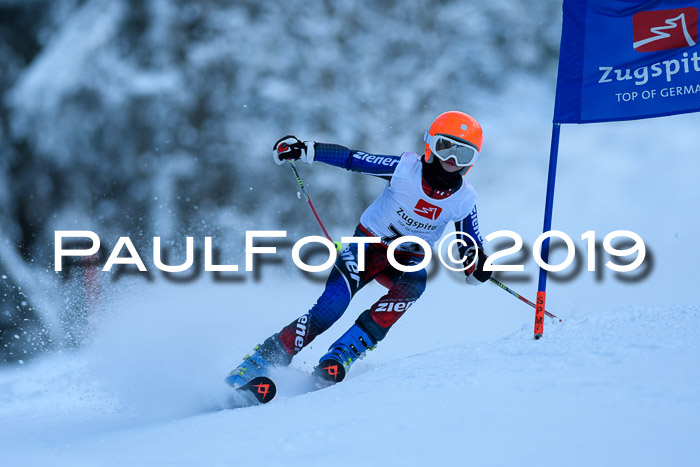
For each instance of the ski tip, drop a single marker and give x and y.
(262, 388)
(537, 336)
(330, 370)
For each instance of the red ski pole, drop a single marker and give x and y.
(338, 245)
(520, 297)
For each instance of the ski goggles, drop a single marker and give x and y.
(449, 147)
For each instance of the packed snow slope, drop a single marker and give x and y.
(614, 388)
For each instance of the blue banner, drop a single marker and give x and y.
(627, 59)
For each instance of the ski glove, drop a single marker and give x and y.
(290, 148)
(476, 274)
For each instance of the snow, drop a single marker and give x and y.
(616, 387)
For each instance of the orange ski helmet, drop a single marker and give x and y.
(459, 126)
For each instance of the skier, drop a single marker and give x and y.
(422, 196)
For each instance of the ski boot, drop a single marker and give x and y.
(344, 352)
(267, 355)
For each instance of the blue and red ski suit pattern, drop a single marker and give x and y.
(346, 280)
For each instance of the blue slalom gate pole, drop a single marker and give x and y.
(549, 204)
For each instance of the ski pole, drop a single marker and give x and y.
(515, 294)
(338, 245)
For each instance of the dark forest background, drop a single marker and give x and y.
(145, 118)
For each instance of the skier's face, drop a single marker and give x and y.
(449, 165)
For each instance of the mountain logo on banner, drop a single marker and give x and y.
(665, 29)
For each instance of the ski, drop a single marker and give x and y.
(328, 372)
(262, 388)
(295, 382)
